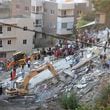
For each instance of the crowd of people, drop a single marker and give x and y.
(58, 51)
(63, 49)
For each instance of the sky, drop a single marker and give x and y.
(4, 0)
(60, 1)
(76, 1)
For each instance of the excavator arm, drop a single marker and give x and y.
(34, 73)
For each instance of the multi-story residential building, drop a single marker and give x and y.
(37, 13)
(14, 39)
(20, 7)
(58, 17)
(15, 8)
(15, 12)
(37, 16)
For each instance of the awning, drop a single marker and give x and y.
(89, 24)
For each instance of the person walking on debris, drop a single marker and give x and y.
(49, 51)
(29, 63)
(43, 53)
(103, 60)
(13, 76)
(105, 46)
(108, 64)
(13, 73)
(22, 71)
(90, 66)
(11, 79)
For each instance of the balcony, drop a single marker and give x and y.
(66, 6)
(36, 16)
(65, 19)
(66, 13)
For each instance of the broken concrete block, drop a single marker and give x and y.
(54, 80)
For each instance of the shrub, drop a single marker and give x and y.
(69, 101)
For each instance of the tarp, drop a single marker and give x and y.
(89, 24)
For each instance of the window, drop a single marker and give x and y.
(63, 12)
(38, 22)
(52, 11)
(0, 29)
(33, 8)
(38, 9)
(26, 8)
(8, 28)
(45, 10)
(25, 41)
(70, 25)
(2, 54)
(17, 6)
(0, 43)
(64, 25)
(9, 42)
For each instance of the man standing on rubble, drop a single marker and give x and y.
(29, 63)
(90, 66)
(22, 71)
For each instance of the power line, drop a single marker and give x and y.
(27, 29)
(54, 36)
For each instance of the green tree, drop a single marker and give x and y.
(103, 6)
(69, 101)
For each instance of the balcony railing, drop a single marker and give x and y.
(63, 16)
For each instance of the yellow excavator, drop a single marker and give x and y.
(23, 90)
(18, 59)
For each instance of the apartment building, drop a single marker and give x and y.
(15, 8)
(15, 12)
(21, 7)
(58, 17)
(14, 39)
(37, 14)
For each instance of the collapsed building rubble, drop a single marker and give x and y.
(73, 74)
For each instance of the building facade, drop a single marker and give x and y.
(58, 17)
(13, 39)
(15, 12)
(20, 8)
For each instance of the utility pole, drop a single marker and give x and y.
(75, 34)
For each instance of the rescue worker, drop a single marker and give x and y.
(14, 73)
(22, 71)
(29, 63)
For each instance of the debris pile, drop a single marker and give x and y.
(82, 72)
